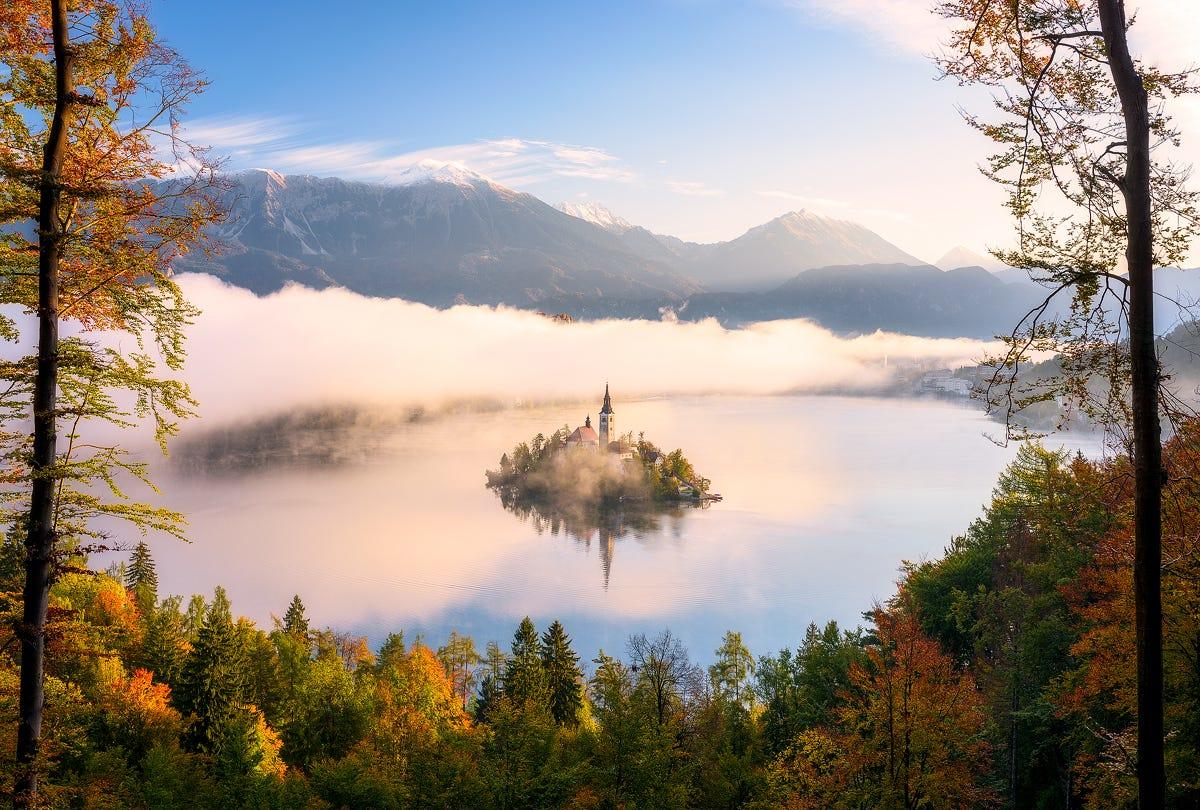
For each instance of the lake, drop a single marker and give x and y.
(824, 497)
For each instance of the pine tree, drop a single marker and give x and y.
(563, 675)
(294, 620)
(141, 578)
(141, 571)
(489, 693)
(392, 651)
(210, 686)
(163, 645)
(524, 676)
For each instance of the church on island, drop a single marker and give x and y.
(607, 439)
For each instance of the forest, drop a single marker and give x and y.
(995, 676)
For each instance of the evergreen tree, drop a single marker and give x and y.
(193, 617)
(210, 686)
(294, 620)
(392, 651)
(489, 694)
(563, 676)
(140, 572)
(163, 645)
(524, 676)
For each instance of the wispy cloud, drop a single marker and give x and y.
(693, 189)
(907, 24)
(286, 144)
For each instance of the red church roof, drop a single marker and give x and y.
(584, 434)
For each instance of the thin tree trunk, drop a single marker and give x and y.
(1147, 448)
(39, 544)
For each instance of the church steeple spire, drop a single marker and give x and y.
(608, 427)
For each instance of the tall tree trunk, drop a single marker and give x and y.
(39, 545)
(1147, 448)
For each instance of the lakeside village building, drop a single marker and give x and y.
(586, 438)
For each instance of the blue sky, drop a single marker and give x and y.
(698, 118)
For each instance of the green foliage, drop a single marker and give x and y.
(212, 683)
(801, 690)
(731, 672)
(525, 682)
(141, 577)
(164, 642)
(295, 620)
(563, 676)
(329, 713)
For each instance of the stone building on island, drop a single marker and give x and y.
(607, 439)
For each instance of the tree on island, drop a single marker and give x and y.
(549, 472)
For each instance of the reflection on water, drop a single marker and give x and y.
(602, 526)
(824, 497)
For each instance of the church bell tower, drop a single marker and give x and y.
(608, 427)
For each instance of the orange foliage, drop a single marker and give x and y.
(417, 704)
(1102, 690)
(910, 733)
(136, 712)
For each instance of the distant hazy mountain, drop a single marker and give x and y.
(438, 235)
(916, 300)
(442, 235)
(961, 256)
(770, 254)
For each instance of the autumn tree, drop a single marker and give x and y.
(1080, 123)
(909, 734)
(91, 103)
(459, 656)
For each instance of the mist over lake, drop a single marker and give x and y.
(823, 497)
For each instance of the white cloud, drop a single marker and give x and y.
(282, 143)
(228, 132)
(907, 24)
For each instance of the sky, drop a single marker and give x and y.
(695, 118)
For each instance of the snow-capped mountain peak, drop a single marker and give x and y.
(596, 214)
(436, 171)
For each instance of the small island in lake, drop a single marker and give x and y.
(581, 471)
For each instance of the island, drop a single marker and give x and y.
(582, 470)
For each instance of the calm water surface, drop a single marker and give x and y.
(824, 497)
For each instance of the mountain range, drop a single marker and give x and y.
(443, 235)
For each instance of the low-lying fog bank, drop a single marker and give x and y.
(252, 356)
